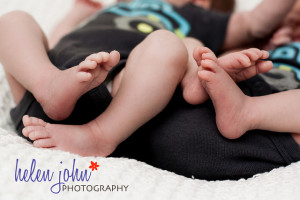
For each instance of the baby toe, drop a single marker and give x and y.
(26, 120)
(104, 56)
(33, 121)
(253, 54)
(209, 56)
(209, 65)
(113, 59)
(44, 143)
(264, 66)
(27, 130)
(93, 56)
(37, 121)
(205, 75)
(97, 57)
(198, 52)
(87, 65)
(84, 76)
(265, 54)
(243, 61)
(39, 133)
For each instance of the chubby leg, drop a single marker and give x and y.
(153, 71)
(237, 113)
(23, 53)
(22, 44)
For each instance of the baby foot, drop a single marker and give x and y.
(231, 105)
(67, 86)
(192, 89)
(80, 139)
(240, 65)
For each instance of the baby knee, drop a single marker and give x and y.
(167, 44)
(162, 34)
(14, 16)
(164, 38)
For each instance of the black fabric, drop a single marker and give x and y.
(183, 138)
(208, 26)
(287, 54)
(285, 74)
(86, 109)
(106, 33)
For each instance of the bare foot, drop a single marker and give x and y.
(231, 105)
(66, 87)
(192, 89)
(239, 65)
(80, 139)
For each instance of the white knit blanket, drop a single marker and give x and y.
(115, 178)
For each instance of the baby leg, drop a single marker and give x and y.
(152, 73)
(237, 113)
(81, 10)
(23, 52)
(22, 44)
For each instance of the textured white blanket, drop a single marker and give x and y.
(115, 178)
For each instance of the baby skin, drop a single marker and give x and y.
(240, 66)
(231, 105)
(237, 113)
(57, 101)
(90, 139)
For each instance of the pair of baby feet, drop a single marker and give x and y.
(216, 75)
